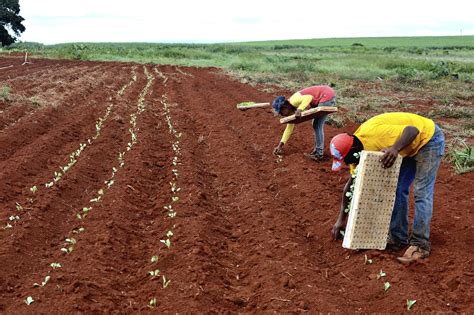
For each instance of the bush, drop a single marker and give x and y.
(462, 157)
(5, 93)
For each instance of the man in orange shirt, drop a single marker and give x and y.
(319, 95)
(421, 144)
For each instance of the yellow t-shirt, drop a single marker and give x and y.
(300, 102)
(383, 131)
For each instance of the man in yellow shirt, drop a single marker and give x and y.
(318, 95)
(421, 144)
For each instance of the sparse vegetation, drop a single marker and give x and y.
(5, 93)
(462, 157)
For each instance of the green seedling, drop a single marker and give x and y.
(55, 265)
(172, 214)
(18, 207)
(97, 199)
(78, 230)
(169, 234)
(67, 250)
(175, 198)
(381, 274)
(29, 300)
(14, 218)
(166, 282)
(167, 242)
(71, 240)
(410, 304)
(34, 189)
(43, 283)
(154, 273)
(154, 259)
(7, 226)
(367, 260)
(386, 286)
(174, 189)
(152, 303)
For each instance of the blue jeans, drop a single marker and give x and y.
(420, 169)
(318, 126)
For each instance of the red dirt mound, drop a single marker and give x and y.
(133, 188)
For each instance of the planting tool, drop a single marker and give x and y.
(248, 105)
(309, 114)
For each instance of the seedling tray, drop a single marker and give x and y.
(372, 203)
(309, 114)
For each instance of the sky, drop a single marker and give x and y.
(206, 21)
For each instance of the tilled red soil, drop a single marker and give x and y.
(251, 234)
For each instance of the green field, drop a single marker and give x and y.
(296, 60)
(371, 75)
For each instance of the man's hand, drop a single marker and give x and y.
(298, 113)
(278, 149)
(336, 229)
(389, 157)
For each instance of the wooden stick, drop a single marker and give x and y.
(26, 59)
(309, 114)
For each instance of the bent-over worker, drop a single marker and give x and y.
(319, 95)
(421, 144)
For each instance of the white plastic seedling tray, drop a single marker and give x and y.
(372, 203)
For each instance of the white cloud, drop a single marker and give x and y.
(54, 21)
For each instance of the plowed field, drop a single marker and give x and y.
(131, 188)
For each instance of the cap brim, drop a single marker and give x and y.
(337, 165)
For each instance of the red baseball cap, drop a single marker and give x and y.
(339, 147)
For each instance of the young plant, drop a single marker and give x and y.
(166, 282)
(29, 300)
(167, 242)
(154, 259)
(367, 260)
(43, 283)
(34, 189)
(381, 274)
(410, 304)
(152, 303)
(154, 273)
(55, 265)
(386, 286)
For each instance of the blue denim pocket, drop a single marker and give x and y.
(331, 102)
(436, 143)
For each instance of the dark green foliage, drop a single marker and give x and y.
(10, 19)
(441, 69)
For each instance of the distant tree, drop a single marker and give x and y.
(10, 21)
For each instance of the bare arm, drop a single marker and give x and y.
(408, 135)
(341, 219)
